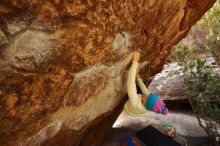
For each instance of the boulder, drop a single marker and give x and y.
(169, 84)
(63, 64)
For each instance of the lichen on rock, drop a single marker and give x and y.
(28, 50)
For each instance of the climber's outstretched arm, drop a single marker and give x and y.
(142, 86)
(131, 85)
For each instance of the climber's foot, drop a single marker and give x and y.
(136, 56)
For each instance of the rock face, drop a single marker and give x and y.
(169, 83)
(63, 63)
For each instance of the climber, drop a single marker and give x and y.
(138, 104)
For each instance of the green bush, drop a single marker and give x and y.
(203, 88)
(210, 24)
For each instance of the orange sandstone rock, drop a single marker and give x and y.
(63, 63)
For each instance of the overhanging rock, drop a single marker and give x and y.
(63, 63)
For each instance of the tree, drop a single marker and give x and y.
(203, 88)
(210, 24)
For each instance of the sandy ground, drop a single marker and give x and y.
(189, 132)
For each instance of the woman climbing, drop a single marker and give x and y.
(138, 104)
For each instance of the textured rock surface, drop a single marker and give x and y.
(63, 63)
(169, 83)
